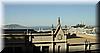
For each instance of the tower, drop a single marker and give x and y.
(58, 21)
(52, 27)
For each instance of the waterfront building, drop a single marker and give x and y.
(50, 41)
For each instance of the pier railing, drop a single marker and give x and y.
(87, 47)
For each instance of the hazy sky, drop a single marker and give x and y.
(46, 14)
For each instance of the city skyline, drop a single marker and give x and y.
(47, 14)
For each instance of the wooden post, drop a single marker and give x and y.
(67, 47)
(86, 48)
(53, 44)
(89, 47)
(65, 38)
(65, 43)
(86, 45)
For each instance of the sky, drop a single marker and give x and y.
(47, 14)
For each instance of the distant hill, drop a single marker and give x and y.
(14, 26)
(17, 26)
